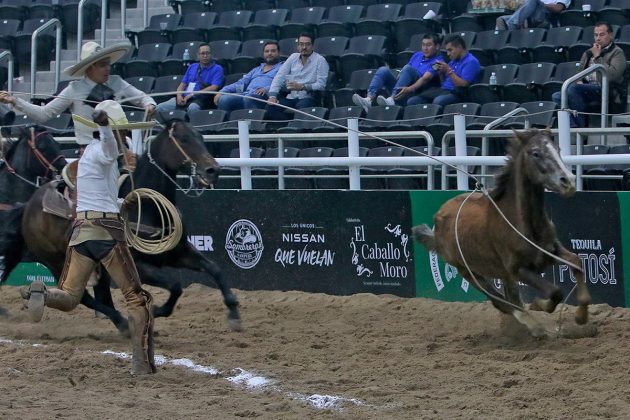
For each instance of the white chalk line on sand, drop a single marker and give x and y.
(241, 377)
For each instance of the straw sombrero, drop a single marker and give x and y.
(91, 52)
(117, 118)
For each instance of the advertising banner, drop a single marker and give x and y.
(337, 242)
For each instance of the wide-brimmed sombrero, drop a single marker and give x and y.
(91, 52)
(117, 118)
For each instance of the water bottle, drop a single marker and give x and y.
(493, 79)
(186, 55)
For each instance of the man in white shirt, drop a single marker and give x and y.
(98, 236)
(531, 14)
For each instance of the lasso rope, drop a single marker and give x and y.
(171, 231)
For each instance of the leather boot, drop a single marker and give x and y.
(141, 329)
(39, 295)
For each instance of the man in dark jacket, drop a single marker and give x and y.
(605, 52)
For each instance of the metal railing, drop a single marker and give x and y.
(10, 68)
(605, 86)
(34, 37)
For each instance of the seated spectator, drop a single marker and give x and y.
(204, 76)
(531, 14)
(581, 93)
(303, 74)
(256, 83)
(456, 76)
(414, 77)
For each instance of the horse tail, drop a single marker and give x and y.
(424, 234)
(11, 241)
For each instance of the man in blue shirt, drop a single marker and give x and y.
(414, 77)
(462, 71)
(206, 75)
(256, 83)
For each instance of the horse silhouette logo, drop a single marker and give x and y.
(244, 244)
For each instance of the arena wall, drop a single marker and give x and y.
(346, 242)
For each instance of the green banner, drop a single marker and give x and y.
(27, 272)
(434, 278)
(624, 212)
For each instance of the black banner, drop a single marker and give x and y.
(337, 242)
(589, 225)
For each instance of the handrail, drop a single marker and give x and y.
(80, 28)
(10, 67)
(123, 17)
(145, 13)
(103, 23)
(580, 75)
(34, 37)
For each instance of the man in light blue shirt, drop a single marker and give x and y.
(256, 83)
(303, 74)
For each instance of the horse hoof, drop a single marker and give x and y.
(235, 324)
(581, 316)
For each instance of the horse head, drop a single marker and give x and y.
(182, 147)
(538, 156)
(36, 154)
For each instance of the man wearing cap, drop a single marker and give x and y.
(98, 236)
(81, 96)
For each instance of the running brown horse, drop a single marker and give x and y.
(178, 148)
(491, 249)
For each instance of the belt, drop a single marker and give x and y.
(90, 214)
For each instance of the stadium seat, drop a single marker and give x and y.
(555, 48)
(225, 5)
(542, 114)
(451, 173)
(363, 52)
(146, 62)
(483, 92)
(300, 178)
(331, 47)
(520, 46)
(270, 180)
(489, 112)
(207, 121)
(486, 45)
(302, 123)
(446, 123)
(191, 6)
(380, 118)
(144, 83)
(338, 115)
(201, 22)
(466, 22)
(404, 29)
(378, 19)
(265, 24)
(45, 43)
(615, 15)
(562, 73)
(255, 116)
(417, 117)
(70, 17)
(224, 51)
(410, 177)
(372, 176)
(340, 21)
(358, 83)
(528, 83)
(166, 84)
(335, 178)
(302, 19)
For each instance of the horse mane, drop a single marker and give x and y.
(514, 147)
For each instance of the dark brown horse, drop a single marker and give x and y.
(179, 147)
(492, 249)
(33, 159)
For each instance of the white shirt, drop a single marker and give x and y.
(97, 175)
(73, 96)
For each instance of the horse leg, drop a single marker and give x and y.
(583, 296)
(194, 260)
(553, 294)
(511, 304)
(153, 276)
(117, 319)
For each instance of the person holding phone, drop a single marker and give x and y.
(418, 74)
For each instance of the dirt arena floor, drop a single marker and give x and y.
(314, 356)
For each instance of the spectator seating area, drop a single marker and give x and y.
(356, 37)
